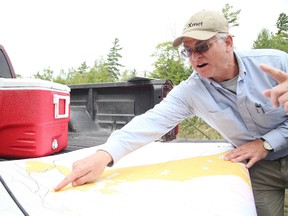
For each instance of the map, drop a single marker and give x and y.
(158, 179)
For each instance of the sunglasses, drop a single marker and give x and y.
(200, 48)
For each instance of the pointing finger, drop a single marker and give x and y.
(277, 74)
(67, 180)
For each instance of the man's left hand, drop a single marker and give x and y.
(251, 152)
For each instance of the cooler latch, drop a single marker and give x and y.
(56, 101)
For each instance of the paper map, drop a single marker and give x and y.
(158, 179)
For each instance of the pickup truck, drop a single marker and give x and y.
(96, 110)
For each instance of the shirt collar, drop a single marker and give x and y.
(241, 67)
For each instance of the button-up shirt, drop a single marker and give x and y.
(240, 118)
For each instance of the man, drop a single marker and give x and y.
(226, 90)
(278, 94)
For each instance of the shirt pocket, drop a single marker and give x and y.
(266, 115)
(230, 127)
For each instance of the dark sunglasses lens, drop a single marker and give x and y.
(199, 49)
(186, 53)
(202, 48)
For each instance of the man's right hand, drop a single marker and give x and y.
(86, 170)
(278, 94)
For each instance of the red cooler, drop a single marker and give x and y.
(34, 117)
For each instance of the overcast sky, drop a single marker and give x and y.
(61, 34)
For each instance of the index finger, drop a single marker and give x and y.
(67, 180)
(277, 74)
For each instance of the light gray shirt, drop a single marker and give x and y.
(239, 118)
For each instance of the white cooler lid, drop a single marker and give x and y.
(15, 83)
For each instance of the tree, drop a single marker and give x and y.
(232, 17)
(46, 74)
(61, 77)
(169, 64)
(113, 60)
(282, 23)
(83, 68)
(264, 40)
(99, 73)
(267, 39)
(128, 74)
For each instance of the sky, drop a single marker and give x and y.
(62, 34)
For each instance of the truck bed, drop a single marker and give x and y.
(96, 110)
(84, 140)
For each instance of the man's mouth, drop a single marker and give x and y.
(202, 65)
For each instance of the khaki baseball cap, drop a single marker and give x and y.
(203, 25)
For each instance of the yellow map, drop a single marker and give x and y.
(177, 170)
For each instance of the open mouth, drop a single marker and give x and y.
(202, 65)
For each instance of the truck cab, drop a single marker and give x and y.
(6, 68)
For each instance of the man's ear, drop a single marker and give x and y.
(229, 42)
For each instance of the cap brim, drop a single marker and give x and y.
(198, 35)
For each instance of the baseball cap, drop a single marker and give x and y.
(203, 25)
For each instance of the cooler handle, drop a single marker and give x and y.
(56, 101)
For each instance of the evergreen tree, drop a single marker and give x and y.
(83, 68)
(231, 16)
(267, 39)
(282, 23)
(264, 40)
(113, 60)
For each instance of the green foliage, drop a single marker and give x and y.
(46, 74)
(113, 60)
(83, 74)
(264, 39)
(83, 68)
(232, 17)
(267, 39)
(169, 64)
(282, 23)
(102, 70)
(195, 128)
(128, 74)
(61, 78)
(99, 73)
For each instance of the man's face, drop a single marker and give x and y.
(210, 57)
